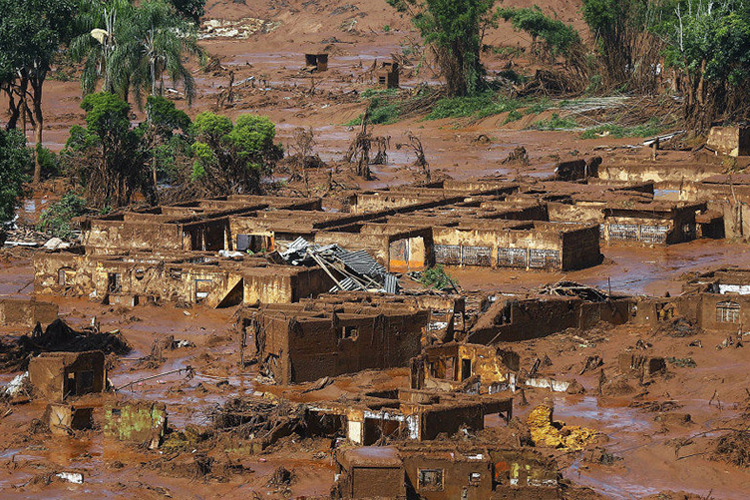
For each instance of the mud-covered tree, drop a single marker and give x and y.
(707, 43)
(454, 29)
(108, 157)
(31, 33)
(234, 158)
(15, 163)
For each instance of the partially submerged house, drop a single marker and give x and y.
(304, 342)
(512, 319)
(370, 471)
(388, 75)
(467, 367)
(410, 414)
(445, 470)
(316, 62)
(59, 375)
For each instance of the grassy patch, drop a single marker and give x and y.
(479, 106)
(513, 116)
(555, 122)
(370, 93)
(382, 112)
(650, 128)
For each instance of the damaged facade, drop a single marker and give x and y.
(445, 471)
(60, 375)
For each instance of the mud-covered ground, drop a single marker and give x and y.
(644, 442)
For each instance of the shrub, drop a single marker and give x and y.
(56, 220)
(436, 277)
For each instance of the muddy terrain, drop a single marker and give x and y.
(678, 432)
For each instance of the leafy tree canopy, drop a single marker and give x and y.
(233, 158)
(454, 28)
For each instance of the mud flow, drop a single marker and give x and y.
(417, 307)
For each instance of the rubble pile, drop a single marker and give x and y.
(546, 432)
(59, 336)
(349, 270)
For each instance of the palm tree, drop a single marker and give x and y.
(135, 48)
(164, 37)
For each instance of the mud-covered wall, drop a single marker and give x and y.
(117, 234)
(332, 346)
(580, 248)
(660, 172)
(536, 318)
(27, 313)
(449, 419)
(461, 479)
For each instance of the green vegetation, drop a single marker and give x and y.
(454, 28)
(190, 9)
(555, 122)
(682, 362)
(513, 116)
(436, 277)
(31, 33)
(15, 163)
(108, 157)
(651, 128)
(233, 158)
(485, 104)
(133, 47)
(707, 43)
(557, 37)
(56, 220)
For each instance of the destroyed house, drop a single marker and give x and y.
(60, 375)
(727, 197)
(305, 342)
(467, 367)
(388, 75)
(363, 472)
(718, 300)
(203, 225)
(438, 471)
(192, 278)
(513, 319)
(410, 414)
(316, 62)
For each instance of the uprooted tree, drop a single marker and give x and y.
(234, 158)
(454, 29)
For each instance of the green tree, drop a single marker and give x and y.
(618, 26)
(132, 48)
(191, 9)
(164, 122)
(108, 157)
(558, 38)
(31, 33)
(454, 28)
(707, 44)
(57, 219)
(15, 163)
(234, 158)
